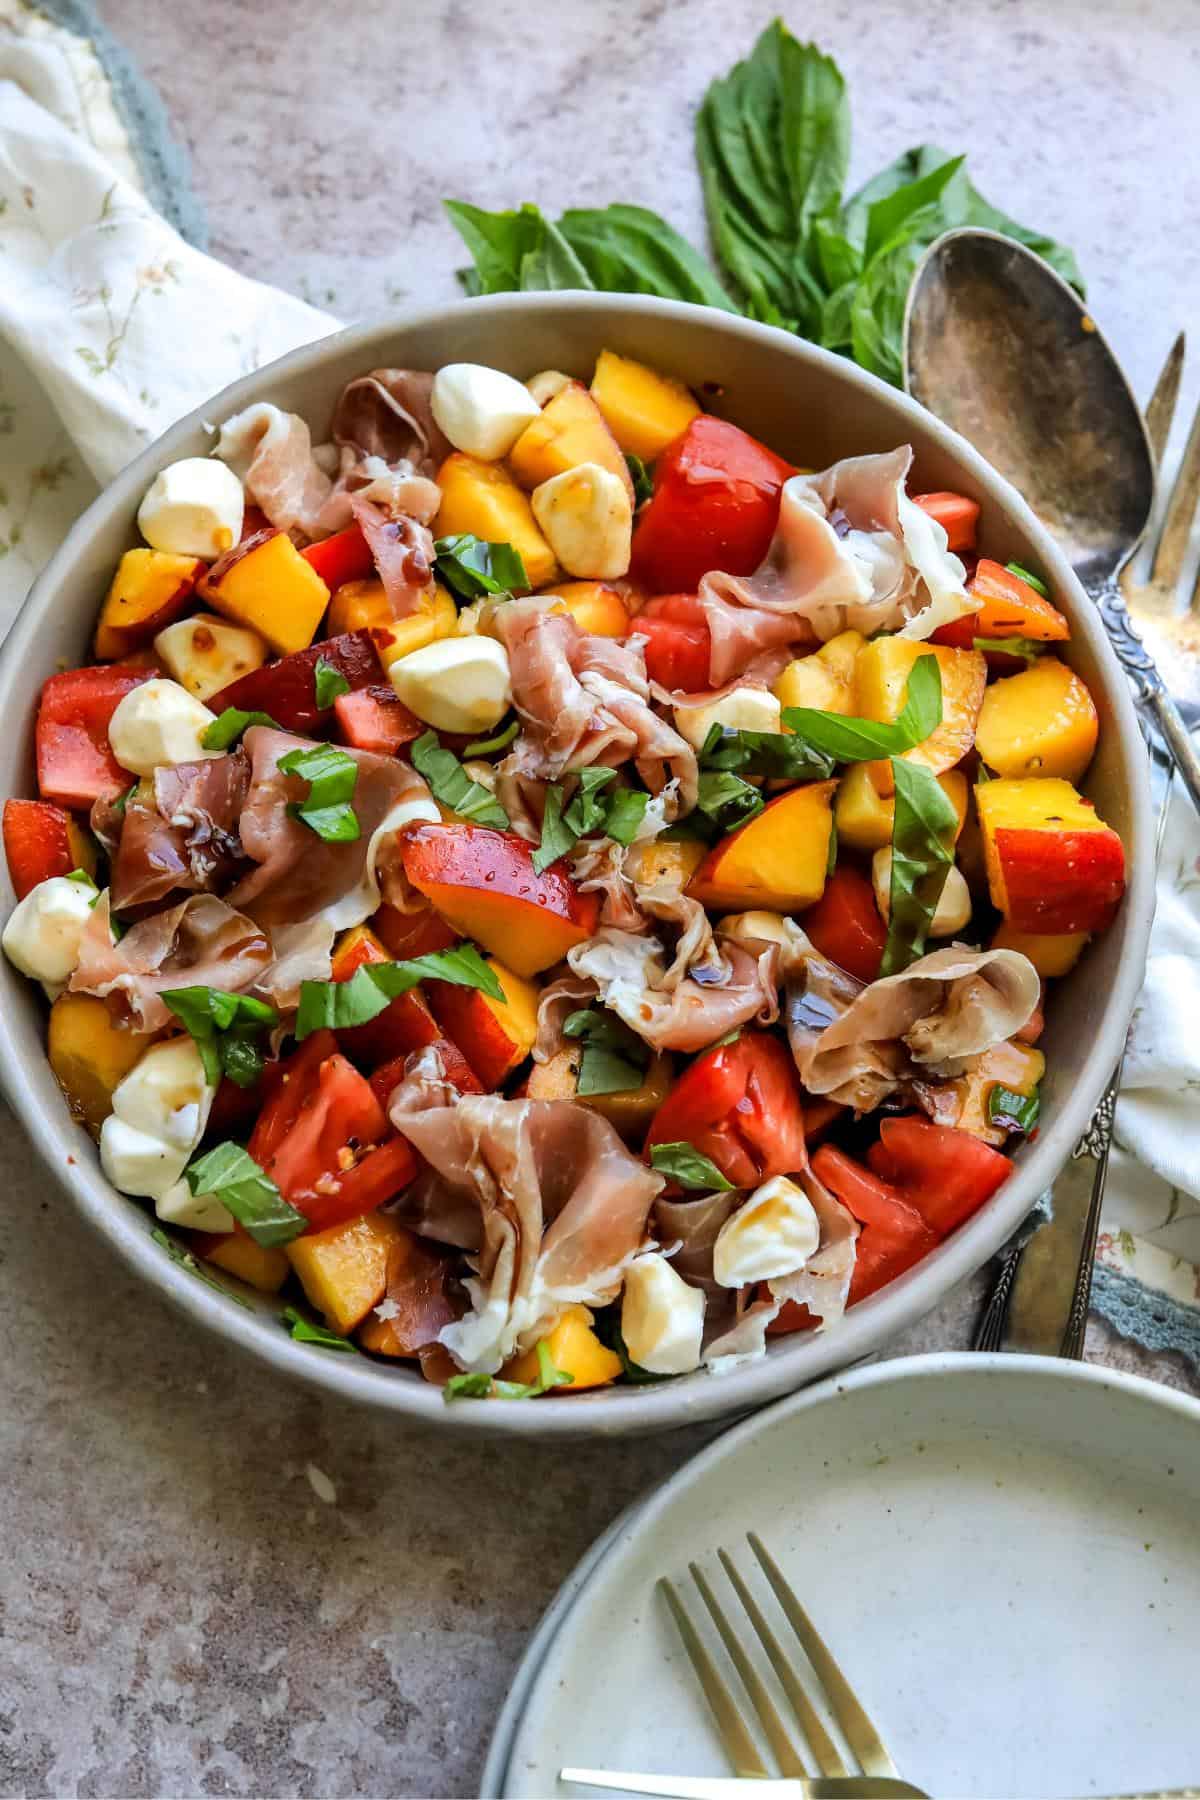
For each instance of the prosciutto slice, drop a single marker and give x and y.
(300, 875)
(200, 943)
(188, 839)
(555, 1207)
(403, 552)
(670, 1007)
(585, 701)
(271, 453)
(387, 416)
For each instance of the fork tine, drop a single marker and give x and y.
(739, 1745)
(777, 1733)
(861, 1734)
(1160, 410)
(828, 1757)
(1181, 510)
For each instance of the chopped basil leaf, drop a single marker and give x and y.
(225, 1028)
(450, 783)
(232, 1174)
(778, 755)
(331, 775)
(490, 1387)
(1012, 1111)
(614, 1058)
(726, 1037)
(489, 746)
(862, 740)
(684, 1164)
(328, 683)
(623, 814)
(339, 1005)
(727, 800)
(641, 477)
(228, 727)
(831, 859)
(982, 774)
(1030, 580)
(557, 836)
(120, 804)
(305, 1331)
(617, 815)
(1026, 648)
(187, 1261)
(81, 876)
(923, 833)
(473, 567)
(587, 811)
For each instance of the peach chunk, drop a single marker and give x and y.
(1054, 867)
(149, 590)
(1041, 722)
(484, 883)
(575, 1349)
(629, 1110)
(596, 608)
(778, 862)
(496, 1035)
(569, 430)
(881, 673)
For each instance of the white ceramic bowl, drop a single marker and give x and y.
(804, 402)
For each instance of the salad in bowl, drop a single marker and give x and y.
(548, 888)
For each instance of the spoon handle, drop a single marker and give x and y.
(1140, 666)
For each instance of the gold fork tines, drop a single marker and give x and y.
(1156, 597)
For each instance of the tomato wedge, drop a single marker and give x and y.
(715, 505)
(1011, 608)
(678, 647)
(945, 1174)
(957, 516)
(845, 924)
(739, 1104)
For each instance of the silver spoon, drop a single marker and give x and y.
(1004, 351)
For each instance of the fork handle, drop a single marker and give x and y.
(1140, 666)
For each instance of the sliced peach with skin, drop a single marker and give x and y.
(881, 673)
(496, 1035)
(1054, 867)
(149, 590)
(596, 608)
(671, 860)
(1011, 608)
(570, 430)
(419, 1278)
(364, 606)
(963, 1102)
(1052, 953)
(485, 885)
(90, 1054)
(778, 862)
(1040, 722)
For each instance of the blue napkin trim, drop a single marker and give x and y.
(164, 163)
(1150, 1318)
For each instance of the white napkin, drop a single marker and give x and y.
(111, 327)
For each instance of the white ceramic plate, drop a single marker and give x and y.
(1002, 1551)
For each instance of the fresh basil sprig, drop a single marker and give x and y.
(478, 1386)
(726, 800)
(187, 1261)
(689, 1167)
(450, 783)
(339, 1005)
(614, 1059)
(328, 683)
(474, 568)
(616, 815)
(331, 776)
(1013, 1112)
(1030, 580)
(229, 725)
(1028, 649)
(775, 755)
(306, 1331)
(226, 1029)
(923, 832)
(863, 740)
(233, 1176)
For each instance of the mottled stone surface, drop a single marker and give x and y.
(184, 1609)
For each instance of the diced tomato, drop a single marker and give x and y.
(946, 1175)
(375, 718)
(458, 1071)
(845, 924)
(1011, 608)
(739, 1104)
(345, 556)
(958, 517)
(715, 505)
(75, 763)
(286, 690)
(409, 934)
(37, 843)
(325, 1141)
(679, 645)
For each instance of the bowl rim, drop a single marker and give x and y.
(867, 1328)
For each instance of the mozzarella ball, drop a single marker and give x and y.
(156, 724)
(43, 931)
(455, 684)
(546, 383)
(193, 508)
(773, 1233)
(742, 709)
(662, 1318)
(954, 904)
(205, 653)
(481, 410)
(587, 518)
(194, 1212)
(159, 1113)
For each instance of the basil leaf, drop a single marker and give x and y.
(923, 833)
(491, 1387)
(688, 1167)
(630, 250)
(80, 876)
(331, 776)
(558, 839)
(623, 814)
(450, 783)
(340, 1005)
(777, 755)
(306, 1331)
(614, 1058)
(224, 1027)
(328, 683)
(643, 481)
(122, 802)
(473, 567)
(228, 727)
(489, 746)
(1027, 648)
(862, 740)
(1012, 1111)
(773, 143)
(514, 251)
(235, 1178)
(187, 1261)
(1030, 580)
(727, 800)
(475, 1386)
(587, 812)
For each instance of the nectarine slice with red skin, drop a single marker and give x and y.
(484, 883)
(496, 1035)
(1061, 881)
